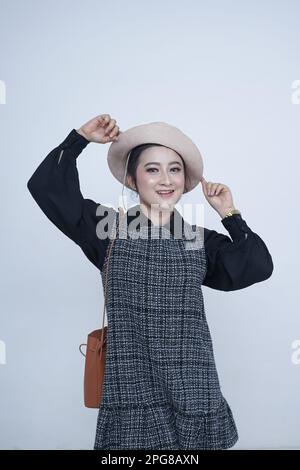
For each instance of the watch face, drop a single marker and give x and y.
(234, 212)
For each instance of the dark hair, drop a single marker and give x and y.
(134, 160)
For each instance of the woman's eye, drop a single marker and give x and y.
(155, 169)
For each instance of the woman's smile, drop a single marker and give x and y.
(165, 193)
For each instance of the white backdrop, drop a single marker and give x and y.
(227, 73)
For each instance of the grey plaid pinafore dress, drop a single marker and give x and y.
(161, 389)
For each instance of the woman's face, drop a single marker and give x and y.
(160, 169)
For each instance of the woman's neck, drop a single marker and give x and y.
(157, 216)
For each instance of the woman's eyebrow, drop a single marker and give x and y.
(158, 163)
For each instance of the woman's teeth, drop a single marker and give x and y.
(165, 193)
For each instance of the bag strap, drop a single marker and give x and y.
(122, 214)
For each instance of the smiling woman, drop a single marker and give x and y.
(161, 388)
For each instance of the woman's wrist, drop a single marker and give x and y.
(224, 212)
(80, 131)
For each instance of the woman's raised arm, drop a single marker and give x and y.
(56, 189)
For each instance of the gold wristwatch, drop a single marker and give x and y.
(232, 212)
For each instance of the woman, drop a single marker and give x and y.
(161, 388)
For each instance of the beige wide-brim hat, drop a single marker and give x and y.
(158, 133)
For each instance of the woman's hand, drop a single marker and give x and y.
(101, 129)
(218, 196)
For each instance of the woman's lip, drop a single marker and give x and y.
(166, 194)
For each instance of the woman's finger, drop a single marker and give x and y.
(208, 187)
(114, 132)
(204, 186)
(221, 187)
(217, 188)
(212, 188)
(110, 126)
(103, 120)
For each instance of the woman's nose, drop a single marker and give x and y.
(165, 178)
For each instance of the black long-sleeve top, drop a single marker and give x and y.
(231, 264)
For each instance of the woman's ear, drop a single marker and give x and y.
(131, 183)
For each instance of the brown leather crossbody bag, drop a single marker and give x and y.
(95, 356)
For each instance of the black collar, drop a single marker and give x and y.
(174, 224)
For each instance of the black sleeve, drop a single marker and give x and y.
(237, 263)
(55, 187)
